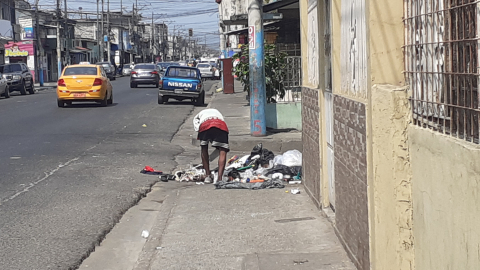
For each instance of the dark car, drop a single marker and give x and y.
(144, 74)
(109, 69)
(19, 78)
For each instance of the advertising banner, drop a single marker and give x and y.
(19, 49)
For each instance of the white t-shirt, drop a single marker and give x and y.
(205, 115)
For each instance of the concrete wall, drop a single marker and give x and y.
(391, 182)
(446, 201)
(284, 115)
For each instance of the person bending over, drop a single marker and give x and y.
(211, 128)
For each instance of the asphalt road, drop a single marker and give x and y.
(68, 174)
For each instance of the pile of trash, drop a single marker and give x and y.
(261, 169)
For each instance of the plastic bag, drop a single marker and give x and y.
(292, 158)
(278, 160)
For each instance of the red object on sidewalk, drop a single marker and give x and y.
(227, 75)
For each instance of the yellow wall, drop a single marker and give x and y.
(386, 32)
(390, 184)
(304, 40)
(446, 200)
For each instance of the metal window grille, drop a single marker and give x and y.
(441, 65)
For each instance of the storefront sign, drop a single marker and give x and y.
(19, 49)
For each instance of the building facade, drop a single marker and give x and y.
(391, 128)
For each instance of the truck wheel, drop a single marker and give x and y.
(160, 99)
(23, 89)
(200, 100)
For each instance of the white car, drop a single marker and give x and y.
(206, 70)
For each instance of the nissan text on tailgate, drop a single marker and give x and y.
(180, 83)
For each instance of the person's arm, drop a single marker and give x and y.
(196, 122)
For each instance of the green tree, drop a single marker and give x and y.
(275, 65)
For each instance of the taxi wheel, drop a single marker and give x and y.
(110, 100)
(104, 101)
(60, 103)
(23, 89)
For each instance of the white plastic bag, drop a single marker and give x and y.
(278, 160)
(292, 158)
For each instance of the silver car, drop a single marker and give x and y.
(4, 89)
(206, 70)
(126, 70)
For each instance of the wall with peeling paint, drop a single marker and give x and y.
(391, 182)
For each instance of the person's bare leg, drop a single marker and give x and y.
(222, 160)
(205, 162)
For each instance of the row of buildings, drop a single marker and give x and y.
(49, 40)
(390, 124)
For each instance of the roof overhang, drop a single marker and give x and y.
(278, 4)
(242, 19)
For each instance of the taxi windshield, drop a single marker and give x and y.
(80, 71)
(182, 72)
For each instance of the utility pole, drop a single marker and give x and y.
(222, 36)
(65, 29)
(151, 41)
(59, 52)
(98, 32)
(108, 32)
(258, 96)
(38, 58)
(102, 38)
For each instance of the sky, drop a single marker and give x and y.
(201, 15)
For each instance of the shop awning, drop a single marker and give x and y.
(79, 50)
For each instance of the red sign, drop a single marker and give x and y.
(19, 49)
(251, 37)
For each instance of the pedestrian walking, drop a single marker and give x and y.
(211, 128)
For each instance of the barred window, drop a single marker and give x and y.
(441, 65)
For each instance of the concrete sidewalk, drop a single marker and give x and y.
(46, 86)
(198, 227)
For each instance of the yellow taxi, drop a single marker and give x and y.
(84, 83)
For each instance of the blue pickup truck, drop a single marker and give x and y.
(180, 83)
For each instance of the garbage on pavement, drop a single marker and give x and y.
(150, 170)
(262, 169)
(259, 170)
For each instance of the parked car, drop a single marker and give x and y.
(4, 91)
(19, 78)
(163, 66)
(109, 69)
(181, 83)
(126, 70)
(145, 74)
(206, 70)
(83, 83)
